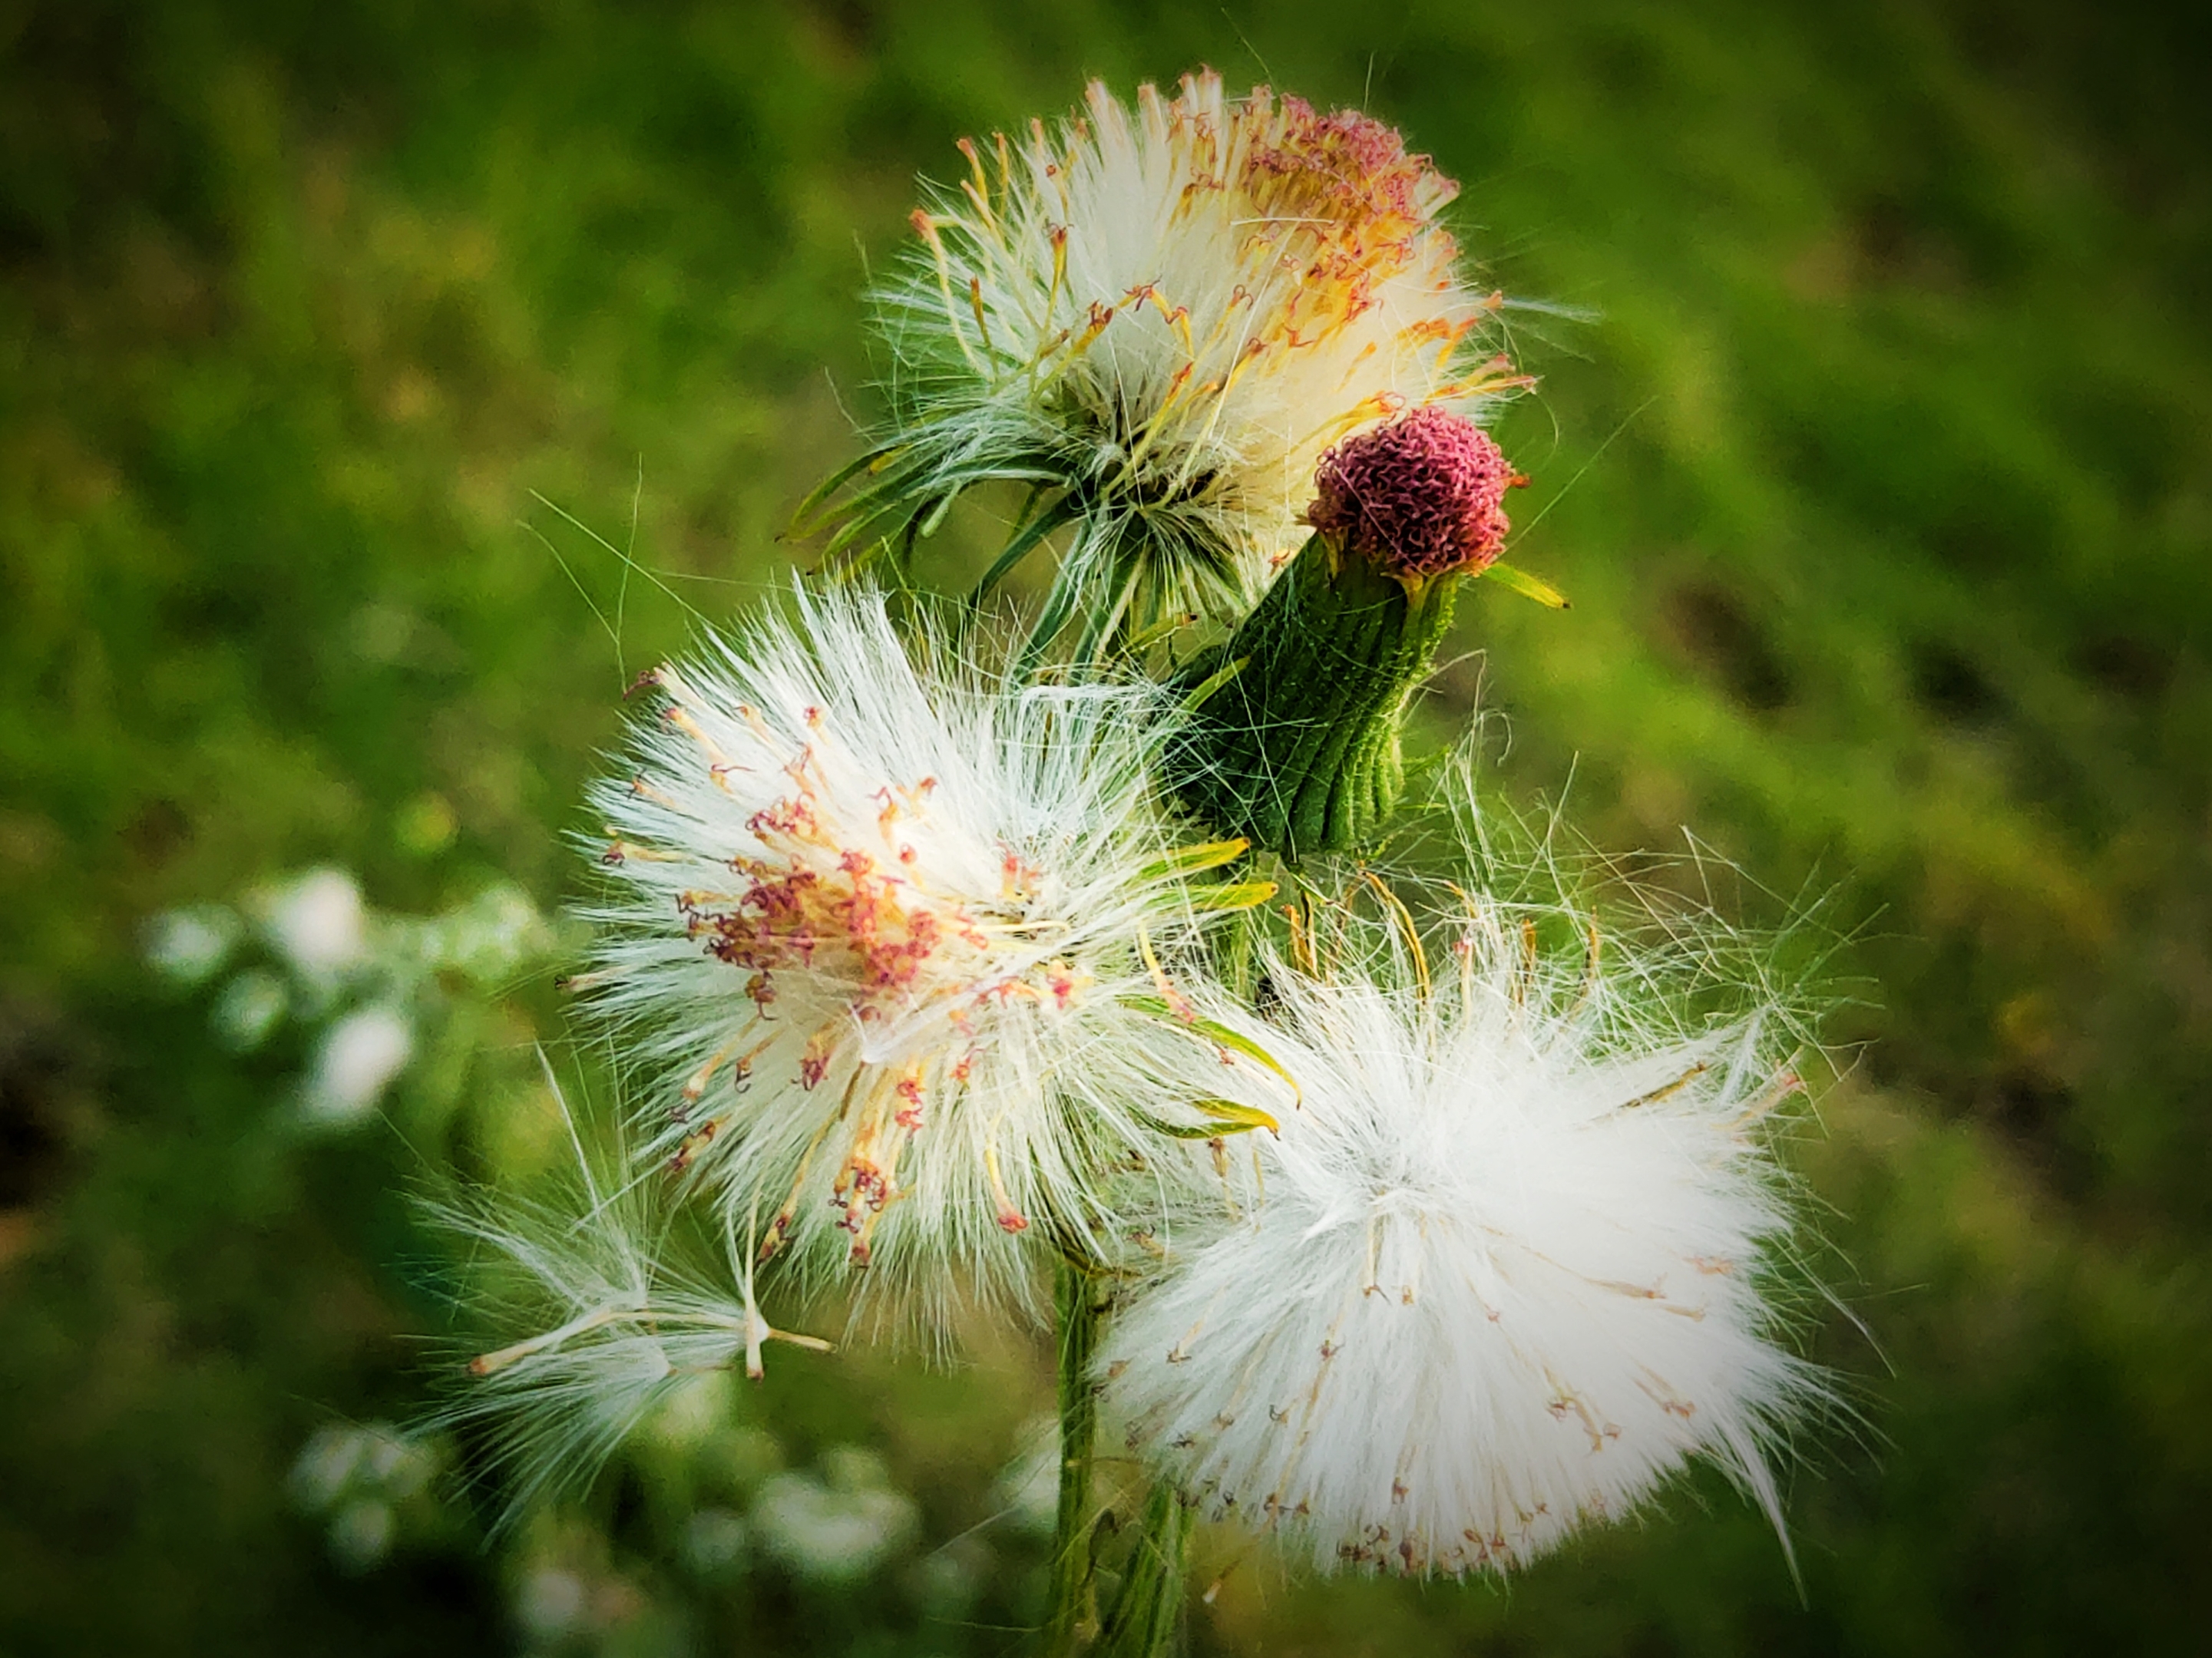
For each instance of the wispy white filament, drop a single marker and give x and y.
(615, 1325)
(1502, 1273)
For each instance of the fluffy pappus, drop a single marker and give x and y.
(618, 1318)
(1507, 1265)
(882, 923)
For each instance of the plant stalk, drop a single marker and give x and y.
(1147, 1619)
(1072, 1619)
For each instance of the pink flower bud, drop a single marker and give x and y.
(1422, 496)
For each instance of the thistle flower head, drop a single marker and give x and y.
(1421, 496)
(1501, 1273)
(1168, 314)
(879, 920)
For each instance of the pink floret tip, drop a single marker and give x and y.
(1422, 496)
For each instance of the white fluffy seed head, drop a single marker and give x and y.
(878, 920)
(1502, 1271)
(1171, 311)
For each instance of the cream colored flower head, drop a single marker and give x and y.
(1167, 315)
(1500, 1274)
(886, 924)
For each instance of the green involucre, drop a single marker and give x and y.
(1298, 751)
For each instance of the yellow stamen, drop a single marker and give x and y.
(1174, 998)
(1673, 1087)
(1010, 1217)
(1403, 919)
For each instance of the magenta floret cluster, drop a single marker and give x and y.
(1422, 496)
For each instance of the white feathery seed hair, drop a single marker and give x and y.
(619, 1321)
(884, 924)
(1504, 1269)
(1168, 314)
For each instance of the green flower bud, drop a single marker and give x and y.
(1296, 743)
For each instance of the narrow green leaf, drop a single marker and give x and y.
(803, 521)
(1237, 1119)
(1020, 544)
(1224, 1118)
(1176, 1131)
(1220, 1035)
(1096, 641)
(936, 517)
(1213, 682)
(1526, 586)
(853, 515)
(1145, 638)
(849, 564)
(1231, 896)
(1190, 861)
(1059, 609)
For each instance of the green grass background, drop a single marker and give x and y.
(1879, 476)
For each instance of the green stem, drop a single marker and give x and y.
(1147, 1621)
(1072, 1618)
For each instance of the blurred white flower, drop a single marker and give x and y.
(882, 925)
(325, 1466)
(359, 1475)
(361, 1533)
(837, 1528)
(356, 1062)
(1168, 314)
(738, 1456)
(377, 1456)
(1501, 1273)
(187, 946)
(488, 940)
(715, 1542)
(1027, 1489)
(550, 1603)
(693, 1409)
(251, 1006)
(318, 924)
(945, 1582)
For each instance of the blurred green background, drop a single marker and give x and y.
(1879, 479)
